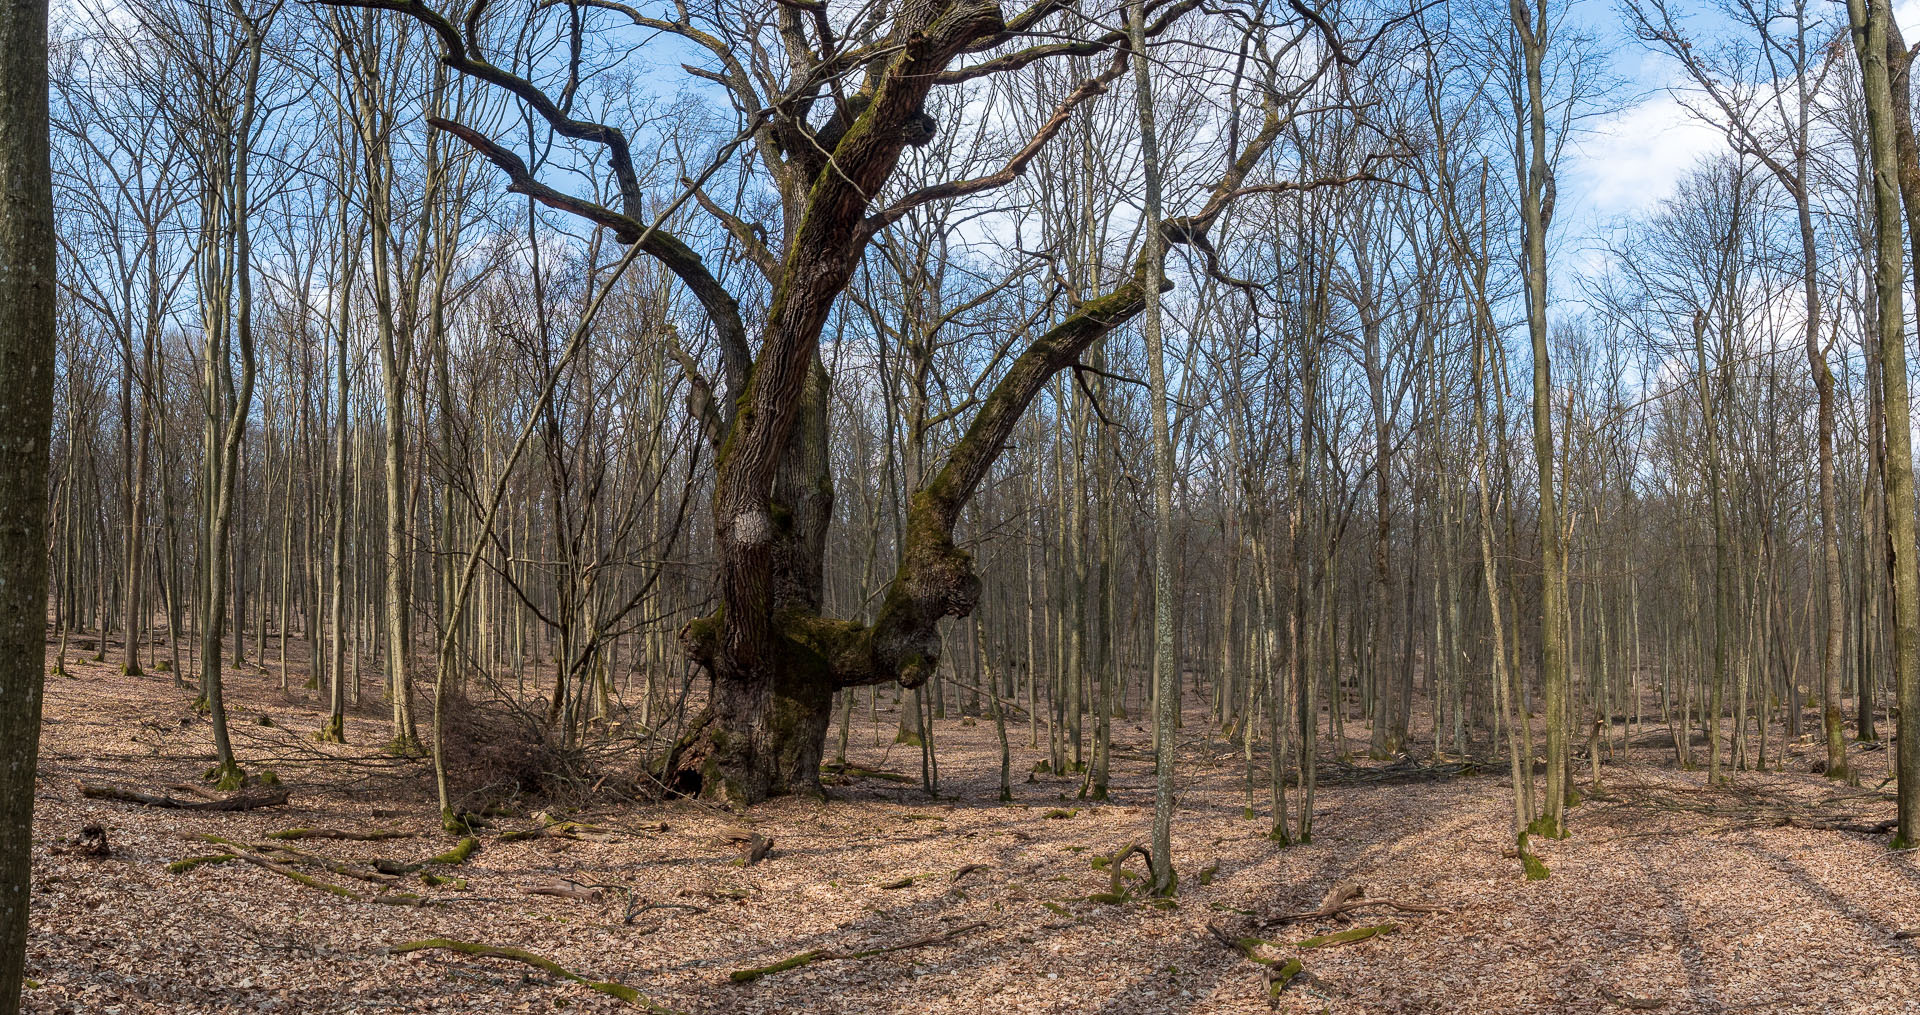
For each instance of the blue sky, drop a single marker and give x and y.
(1632, 159)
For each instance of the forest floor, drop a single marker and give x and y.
(1666, 897)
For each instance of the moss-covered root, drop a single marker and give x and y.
(475, 948)
(186, 864)
(451, 858)
(1278, 973)
(457, 855)
(1348, 936)
(372, 835)
(805, 958)
(227, 778)
(1115, 864)
(753, 973)
(1536, 871)
(334, 732)
(293, 875)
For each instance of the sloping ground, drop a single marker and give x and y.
(1665, 898)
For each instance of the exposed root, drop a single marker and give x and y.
(457, 855)
(1277, 973)
(1347, 936)
(371, 835)
(576, 830)
(1530, 862)
(808, 958)
(607, 987)
(1347, 897)
(1629, 1001)
(1117, 891)
(186, 864)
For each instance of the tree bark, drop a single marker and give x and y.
(26, 422)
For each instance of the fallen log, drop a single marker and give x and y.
(245, 800)
(1840, 825)
(859, 772)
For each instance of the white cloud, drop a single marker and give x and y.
(1632, 160)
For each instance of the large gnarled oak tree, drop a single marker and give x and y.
(851, 97)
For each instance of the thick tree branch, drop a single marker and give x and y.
(935, 578)
(1025, 21)
(1016, 166)
(720, 306)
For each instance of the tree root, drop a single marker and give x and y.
(575, 830)
(451, 858)
(486, 951)
(457, 855)
(288, 854)
(1347, 936)
(186, 864)
(808, 958)
(279, 858)
(1344, 898)
(1117, 890)
(372, 835)
(242, 801)
(1629, 1001)
(1530, 862)
(1278, 974)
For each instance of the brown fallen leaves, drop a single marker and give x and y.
(957, 905)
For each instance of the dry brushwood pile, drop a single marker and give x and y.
(1777, 894)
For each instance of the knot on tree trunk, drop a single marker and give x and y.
(700, 639)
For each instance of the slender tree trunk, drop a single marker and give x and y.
(1534, 179)
(1166, 668)
(1896, 164)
